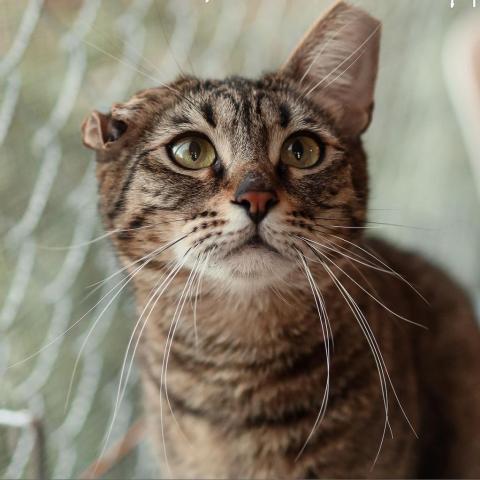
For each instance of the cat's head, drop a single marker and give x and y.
(244, 173)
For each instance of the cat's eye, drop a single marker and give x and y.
(301, 151)
(193, 152)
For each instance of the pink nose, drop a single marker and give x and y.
(257, 204)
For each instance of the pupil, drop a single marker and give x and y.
(297, 149)
(194, 150)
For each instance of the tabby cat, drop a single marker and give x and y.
(276, 341)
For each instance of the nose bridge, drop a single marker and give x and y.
(249, 158)
(255, 181)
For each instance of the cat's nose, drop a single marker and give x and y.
(257, 203)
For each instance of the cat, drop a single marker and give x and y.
(275, 339)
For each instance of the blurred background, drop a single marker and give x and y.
(59, 60)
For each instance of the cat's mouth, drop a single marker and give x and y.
(254, 242)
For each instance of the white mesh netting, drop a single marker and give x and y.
(59, 60)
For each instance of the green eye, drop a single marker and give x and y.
(301, 152)
(193, 153)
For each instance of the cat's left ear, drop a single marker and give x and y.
(336, 65)
(100, 130)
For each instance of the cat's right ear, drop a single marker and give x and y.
(335, 65)
(100, 130)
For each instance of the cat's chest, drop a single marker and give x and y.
(262, 387)
(259, 415)
(255, 370)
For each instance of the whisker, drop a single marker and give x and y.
(326, 332)
(361, 287)
(368, 334)
(278, 294)
(356, 258)
(352, 264)
(386, 224)
(197, 294)
(97, 285)
(129, 65)
(379, 360)
(167, 41)
(79, 245)
(389, 270)
(95, 323)
(154, 298)
(357, 50)
(394, 272)
(324, 47)
(125, 282)
(389, 379)
(188, 287)
(122, 387)
(175, 91)
(74, 324)
(105, 235)
(352, 227)
(150, 65)
(163, 377)
(357, 313)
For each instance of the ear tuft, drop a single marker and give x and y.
(336, 64)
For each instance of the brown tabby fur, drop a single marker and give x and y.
(247, 366)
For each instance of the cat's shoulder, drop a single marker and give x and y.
(424, 274)
(447, 361)
(438, 300)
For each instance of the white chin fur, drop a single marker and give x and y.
(251, 268)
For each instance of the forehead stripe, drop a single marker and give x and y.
(285, 115)
(207, 112)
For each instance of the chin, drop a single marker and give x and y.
(251, 268)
